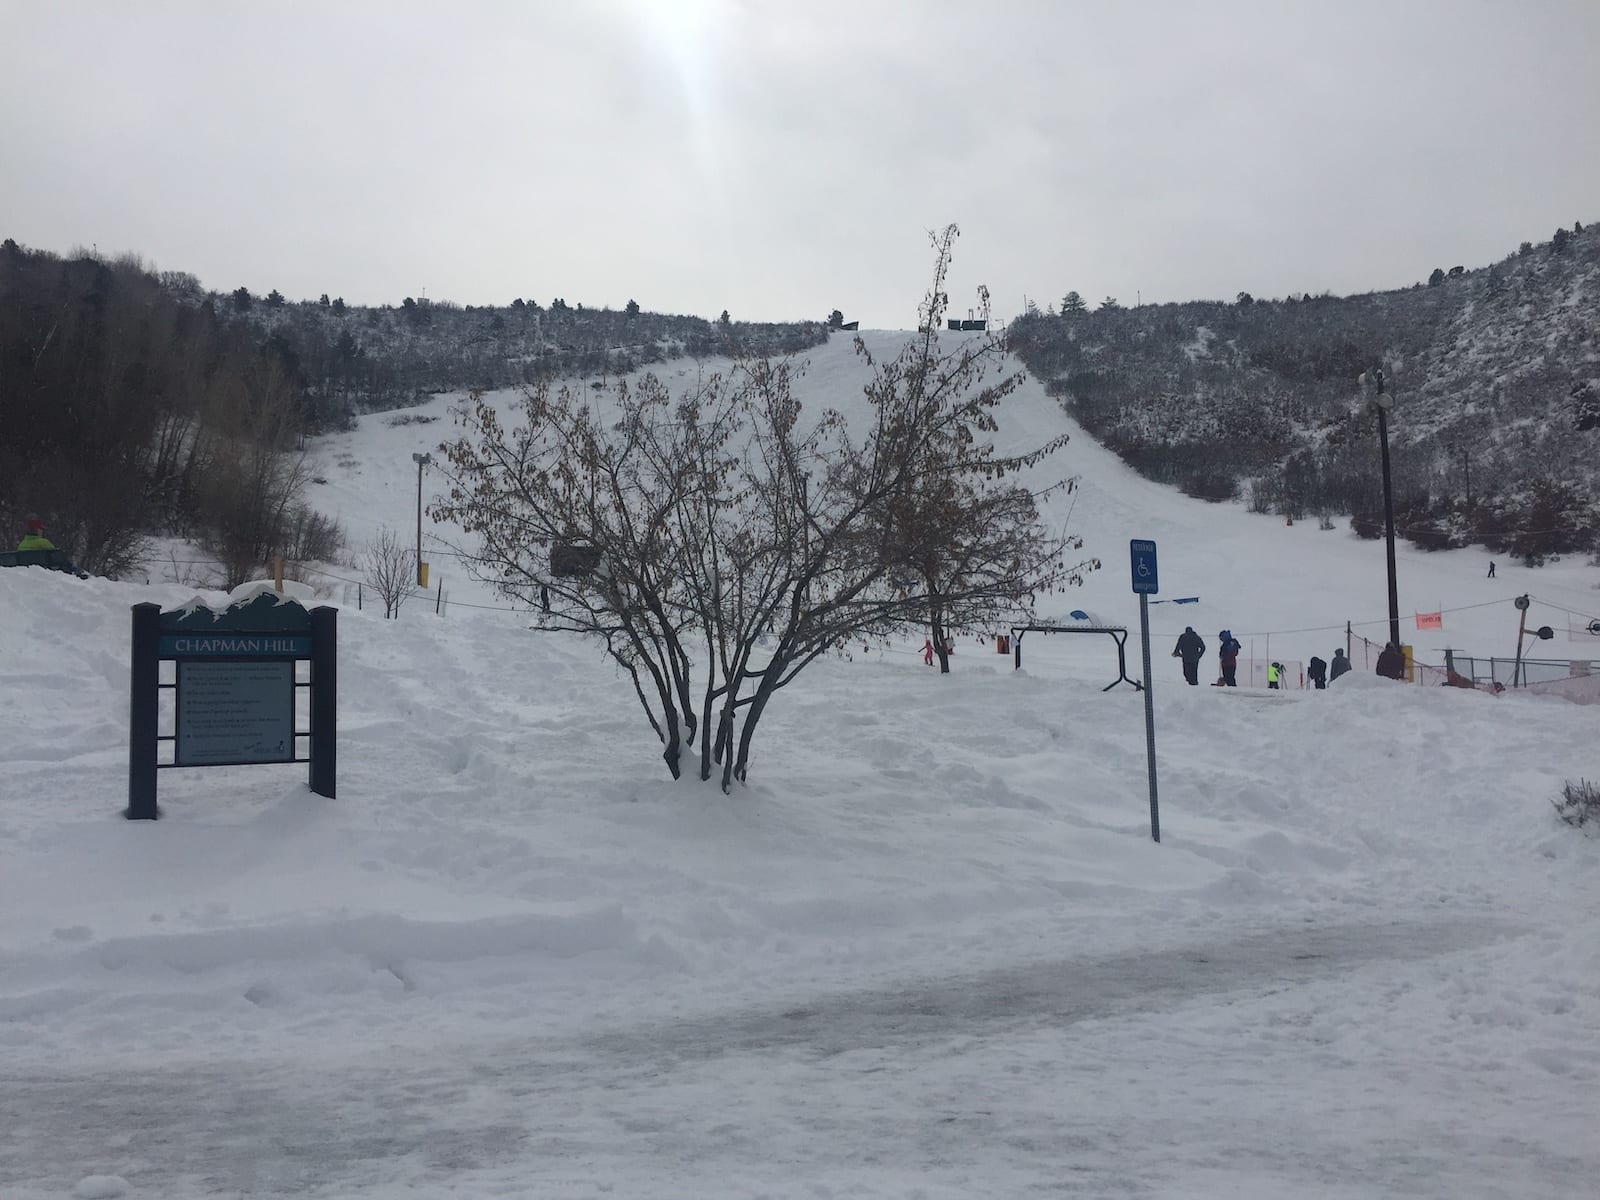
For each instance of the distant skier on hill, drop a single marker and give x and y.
(1191, 648)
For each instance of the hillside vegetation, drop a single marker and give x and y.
(349, 359)
(1496, 374)
(135, 402)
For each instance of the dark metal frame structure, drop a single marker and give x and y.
(1118, 633)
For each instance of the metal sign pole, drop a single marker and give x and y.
(1149, 716)
(1146, 583)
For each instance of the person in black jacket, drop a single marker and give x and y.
(1317, 672)
(1392, 663)
(1341, 664)
(1191, 648)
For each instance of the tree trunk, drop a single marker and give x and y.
(674, 744)
(740, 767)
(939, 641)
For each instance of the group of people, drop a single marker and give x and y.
(1191, 648)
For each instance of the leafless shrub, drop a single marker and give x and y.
(390, 569)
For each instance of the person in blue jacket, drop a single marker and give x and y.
(1228, 648)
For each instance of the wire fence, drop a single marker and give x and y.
(1577, 680)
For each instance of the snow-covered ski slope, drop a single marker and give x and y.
(930, 951)
(1264, 580)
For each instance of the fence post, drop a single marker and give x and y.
(439, 598)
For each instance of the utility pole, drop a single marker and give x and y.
(422, 460)
(1382, 402)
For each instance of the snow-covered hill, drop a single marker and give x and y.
(1496, 371)
(931, 950)
(1285, 590)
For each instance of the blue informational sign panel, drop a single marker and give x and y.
(230, 713)
(1143, 561)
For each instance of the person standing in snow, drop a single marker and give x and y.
(1228, 656)
(1317, 672)
(1191, 648)
(927, 651)
(1491, 568)
(1341, 664)
(35, 539)
(1392, 663)
(1274, 675)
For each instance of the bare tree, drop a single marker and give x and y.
(968, 537)
(717, 546)
(389, 569)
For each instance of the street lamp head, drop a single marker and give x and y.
(421, 459)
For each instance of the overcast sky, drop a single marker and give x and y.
(781, 159)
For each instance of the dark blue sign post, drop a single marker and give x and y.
(1146, 582)
(234, 691)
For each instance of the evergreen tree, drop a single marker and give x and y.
(1072, 305)
(242, 300)
(1435, 279)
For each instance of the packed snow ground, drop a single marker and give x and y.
(929, 951)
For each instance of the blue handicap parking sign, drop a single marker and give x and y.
(1142, 555)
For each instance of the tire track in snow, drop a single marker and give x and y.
(361, 1124)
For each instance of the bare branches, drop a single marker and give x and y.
(390, 569)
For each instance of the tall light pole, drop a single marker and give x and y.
(423, 460)
(1382, 402)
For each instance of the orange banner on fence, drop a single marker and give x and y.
(1434, 620)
